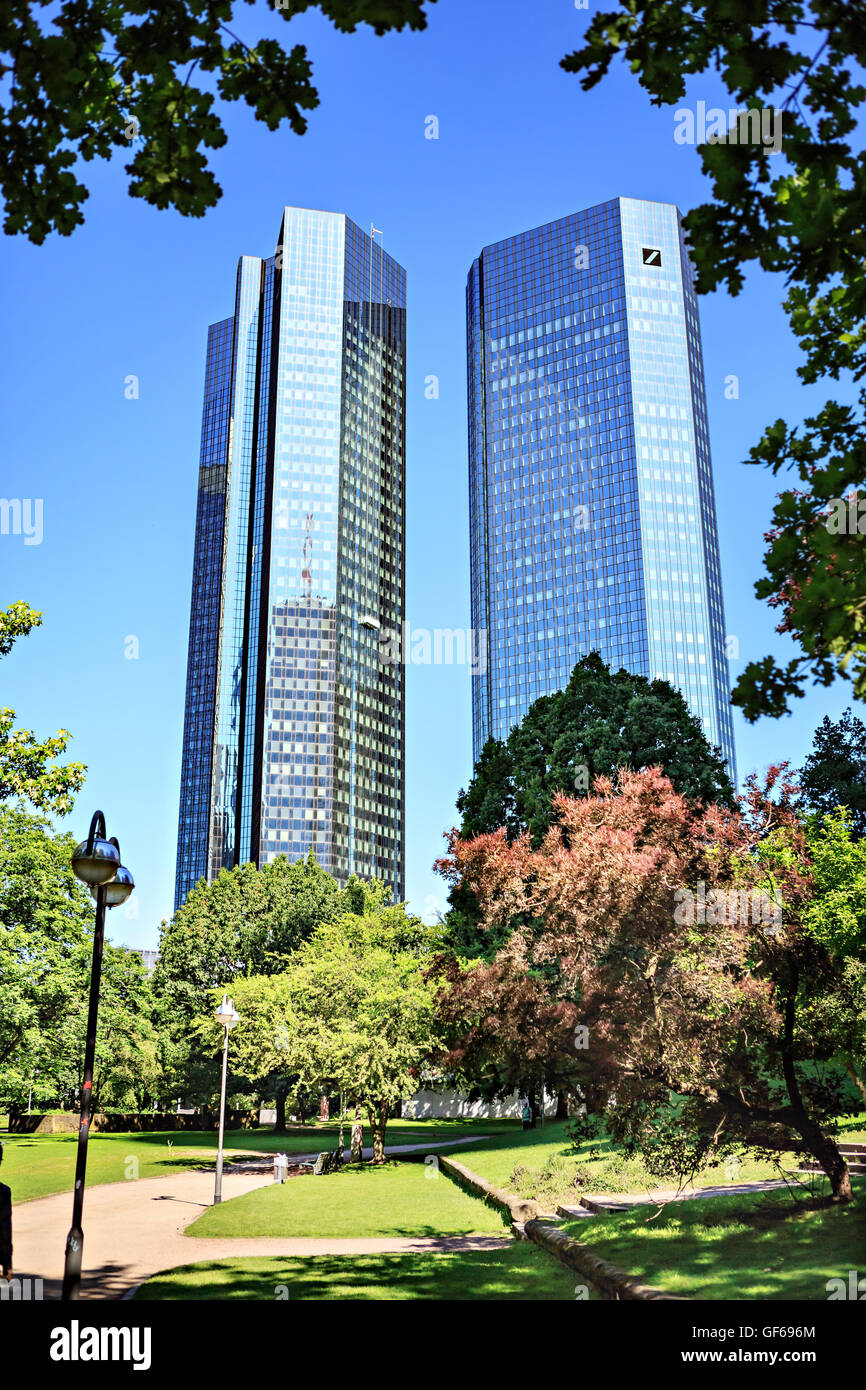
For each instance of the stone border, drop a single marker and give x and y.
(542, 1228)
(606, 1277)
(588, 1204)
(519, 1209)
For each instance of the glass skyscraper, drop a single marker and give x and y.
(592, 515)
(294, 729)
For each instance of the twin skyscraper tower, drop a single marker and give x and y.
(592, 519)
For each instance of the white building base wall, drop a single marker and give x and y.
(452, 1105)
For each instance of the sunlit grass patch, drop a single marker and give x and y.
(764, 1245)
(396, 1199)
(517, 1271)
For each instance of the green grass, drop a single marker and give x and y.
(36, 1165)
(518, 1271)
(750, 1247)
(396, 1199)
(541, 1163)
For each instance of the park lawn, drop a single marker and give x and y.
(740, 1247)
(395, 1199)
(37, 1165)
(540, 1163)
(517, 1271)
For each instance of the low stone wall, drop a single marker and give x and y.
(541, 1227)
(131, 1124)
(605, 1277)
(43, 1124)
(518, 1208)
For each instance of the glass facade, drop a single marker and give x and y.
(294, 729)
(592, 515)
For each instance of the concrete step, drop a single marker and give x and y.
(572, 1213)
(856, 1169)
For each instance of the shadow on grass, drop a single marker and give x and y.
(512, 1272)
(417, 1230)
(722, 1249)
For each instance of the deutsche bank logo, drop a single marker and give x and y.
(651, 255)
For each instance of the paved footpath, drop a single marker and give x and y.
(596, 1203)
(256, 1158)
(133, 1230)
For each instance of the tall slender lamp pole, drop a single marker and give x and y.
(96, 862)
(228, 1016)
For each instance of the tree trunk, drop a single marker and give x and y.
(829, 1157)
(561, 1106)
(356, 1153)
(305, 1110)
(378, 1122)
(280, 1126)
(532, 1097)
(819, 1145)
(341, 1140)
(856, 1078)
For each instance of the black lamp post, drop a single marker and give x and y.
(95, 862)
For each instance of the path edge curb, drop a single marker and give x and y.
(528, 1219)
(608, 1278)
(518, 1209)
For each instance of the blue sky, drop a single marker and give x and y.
(132, 292)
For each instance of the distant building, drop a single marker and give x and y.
(449, 1104)
(294, 732)
(592, 514)
(148, 957)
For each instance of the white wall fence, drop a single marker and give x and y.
(452, 1105)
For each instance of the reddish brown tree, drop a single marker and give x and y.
(507, 1027)
(668, 930)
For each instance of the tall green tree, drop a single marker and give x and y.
(27, 767)
(46, 948)
(800, 215)
(86, 78)
(247, 921)
(45, 914)
(834, 774)
(352, 1011)
(836, 919)
(601, 721)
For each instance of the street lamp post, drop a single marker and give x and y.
(95, 862)
(228, 1016)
